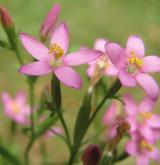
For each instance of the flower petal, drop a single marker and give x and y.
(36, 68)
(142, 159)
(151, 64)
(81, 57)
(116, 54)
(99, 44)
(68, 77)
(148, 84)
(61, 36)
(154, 121)
(126, 79)
(34, 47)
(136, 45)
(90, 70)
(131, 148)
(130, 105)
(146, 105)
(147, 132)
(110, 116)
(155, 155)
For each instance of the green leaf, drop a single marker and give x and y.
(82, 118)
(56, 92)
(6, 154)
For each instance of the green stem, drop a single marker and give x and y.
(123, 156)
(113, 90)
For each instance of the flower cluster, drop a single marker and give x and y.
(124, 116)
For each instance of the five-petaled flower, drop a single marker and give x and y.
(142, 117)
(133, 66)
(143, 149)
(17, 109)
(54, 60)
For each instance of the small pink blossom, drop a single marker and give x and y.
(133, 66)
(142, 117)
(142, 149)
(49, 22)
(17, 109)
(54, 60)
(102, 63)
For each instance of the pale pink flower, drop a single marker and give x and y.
(142, 117)
(49, 22)
(133, 66)
(54, 60)
(16, 108)
(102, 63)
(142, 149)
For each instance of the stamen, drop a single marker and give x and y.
(57, 50)
(15, 108)
(134, 63)
(147, 115)
(145, 145)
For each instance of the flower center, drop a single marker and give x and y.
(103, 62)
(56, 50)
(147, 115)
(143, 116)
(15, 108)
(145, 145)
(56, 53)
(134, 63)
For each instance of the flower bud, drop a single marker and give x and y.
(91, 155)
(48, 24)
(5, 18)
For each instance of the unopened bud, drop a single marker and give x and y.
(5, 18)
(91, 155)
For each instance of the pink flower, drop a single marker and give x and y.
(133, 66)
(142, 117)
(102, 63)
(48, 24)
(142, 149)
(54, 60)
(16, 109)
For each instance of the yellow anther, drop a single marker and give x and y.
(135, 60)
(56, 50)
(147, 115)
(145, 145)
(15, 108)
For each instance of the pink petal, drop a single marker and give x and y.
(146, 131)
(116, 54)
(132, 122)
(155, 155)
(148, 84)
(146, 105)
(61, 36)
(99, 44)
(142, 160)
(81, 57)
(6, 99)
(131, 148)
(126, 79)
(154, 121)
(110, 116)
(21, 97)
(50, 21)
(68, 77)
(130, 105)
(90, 71)
(36, 68)
(34, 47)
(151, 64)
(136, 45)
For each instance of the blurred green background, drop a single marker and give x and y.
(88, 20)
